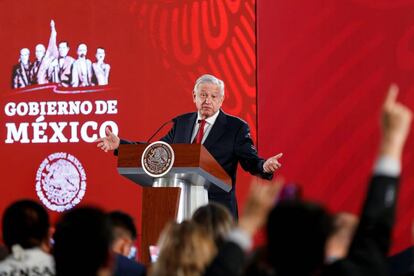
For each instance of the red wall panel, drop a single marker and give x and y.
(323, 70)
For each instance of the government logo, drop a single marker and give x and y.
(157, 159)
(60, 181)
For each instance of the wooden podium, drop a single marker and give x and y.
(177, 194)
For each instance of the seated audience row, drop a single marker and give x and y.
(87, 241)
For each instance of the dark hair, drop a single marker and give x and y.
(100, 48)
(297, 232)
(83, 241)
(215, 219)
(124, 221)
(25, 222)
(64, 41)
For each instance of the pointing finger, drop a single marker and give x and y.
(392, 94)
(107, 131)
(278, 155)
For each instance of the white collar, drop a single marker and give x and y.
(210, 120)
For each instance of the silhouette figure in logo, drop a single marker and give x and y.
(21, 71)
(82, 68)
(100, 68)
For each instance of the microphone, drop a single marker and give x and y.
(158, 130)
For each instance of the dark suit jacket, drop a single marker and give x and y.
(127, 267)
(369, 249)
(229, 142)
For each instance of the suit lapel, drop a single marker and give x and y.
(217, 131)
(189, 126)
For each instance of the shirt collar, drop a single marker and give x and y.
(210, 120)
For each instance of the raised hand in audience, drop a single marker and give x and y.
(396, 121)
(261, 199)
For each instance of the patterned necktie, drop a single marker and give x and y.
(200, 133)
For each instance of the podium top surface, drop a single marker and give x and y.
(193, 165)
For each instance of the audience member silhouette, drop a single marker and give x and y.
(185, 249)
(216, 220)
(125, 235)
(297, 231)
(83, 243)
(26, 235)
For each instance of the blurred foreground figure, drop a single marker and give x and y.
(339, 240)
(298, 231)
(26, 235)
(83, 243)
(216, 220)
(185, 250)
(125, 235)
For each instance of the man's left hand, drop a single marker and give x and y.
(272, 164)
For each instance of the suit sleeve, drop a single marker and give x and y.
(368, 252)
(126, 142)
(247, 154)
(169, 137)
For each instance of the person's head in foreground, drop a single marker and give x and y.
(215, 219)
(297, 232)
(185, 249)
(83, 243)
(26, 223)
(125, 232)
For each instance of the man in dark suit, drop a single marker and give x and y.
(226, 137)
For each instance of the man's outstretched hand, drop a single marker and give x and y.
(109, 142)
(272, 164)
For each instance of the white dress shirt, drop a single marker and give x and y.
(207, 127)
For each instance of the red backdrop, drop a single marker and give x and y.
(156, 50)
(323, 70)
